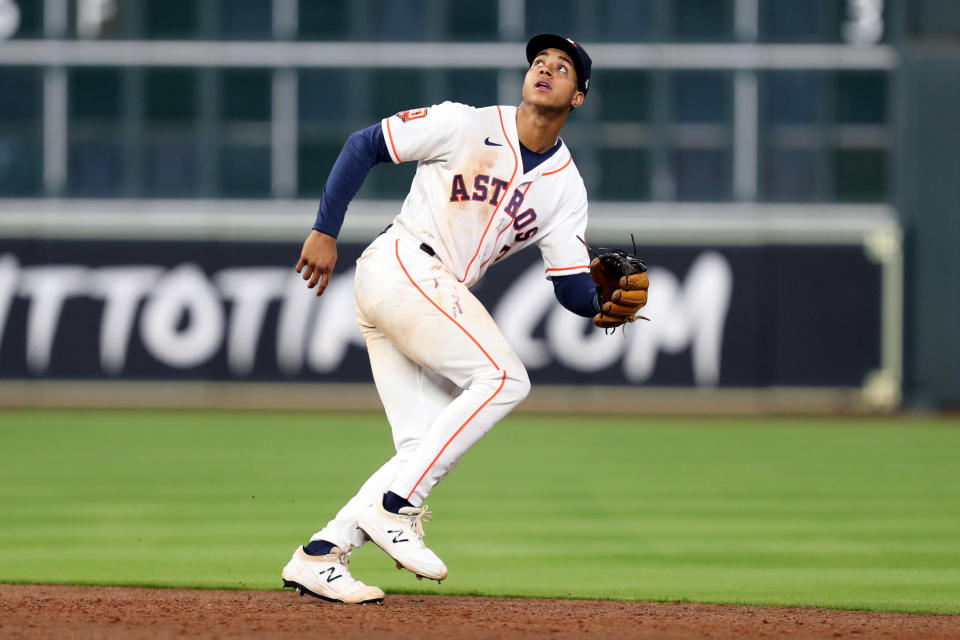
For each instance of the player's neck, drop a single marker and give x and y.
(538, 129)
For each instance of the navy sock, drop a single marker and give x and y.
(393, 503)
(318, 547)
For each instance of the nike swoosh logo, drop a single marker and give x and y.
(491, 144)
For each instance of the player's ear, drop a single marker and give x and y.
(577, 99)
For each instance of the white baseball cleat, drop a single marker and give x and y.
(401, 536)
(328, 578)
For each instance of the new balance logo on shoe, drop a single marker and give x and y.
(329, 571)
(397, 533)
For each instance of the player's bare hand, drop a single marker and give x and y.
(317, 260)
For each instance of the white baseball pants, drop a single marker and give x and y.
(444, 372)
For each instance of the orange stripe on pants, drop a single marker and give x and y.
(444, 448)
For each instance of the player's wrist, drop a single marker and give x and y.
(319, 231)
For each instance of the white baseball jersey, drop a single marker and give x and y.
(470, 199)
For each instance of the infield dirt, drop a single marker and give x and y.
(45, 611)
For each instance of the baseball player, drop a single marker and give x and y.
(489, 182)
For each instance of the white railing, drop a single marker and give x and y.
(281, 220)
(433, 55)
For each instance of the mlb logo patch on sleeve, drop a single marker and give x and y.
(412, 114)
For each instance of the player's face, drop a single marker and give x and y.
(551, 81)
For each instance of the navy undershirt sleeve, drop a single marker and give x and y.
(362, 151)
(578, 293)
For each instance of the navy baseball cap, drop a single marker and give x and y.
(581, 61)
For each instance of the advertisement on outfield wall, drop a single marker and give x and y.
(737, 316)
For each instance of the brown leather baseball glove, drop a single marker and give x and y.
(622, 285)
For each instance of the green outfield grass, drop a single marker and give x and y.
(842, 513)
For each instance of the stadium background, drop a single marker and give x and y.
(788, 168)
(789, 165)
